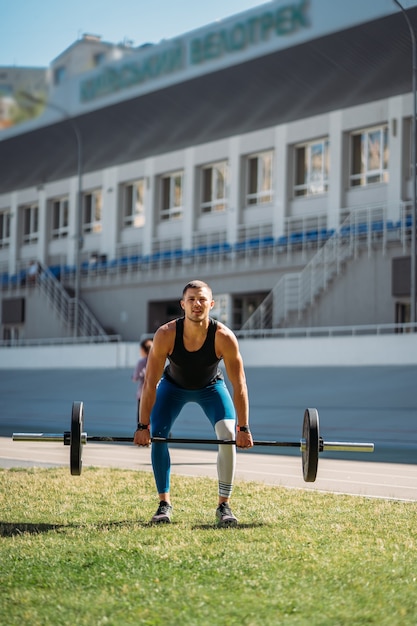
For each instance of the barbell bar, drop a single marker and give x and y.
(310, 444)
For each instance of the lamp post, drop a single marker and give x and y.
(78, 208)
(413, 259)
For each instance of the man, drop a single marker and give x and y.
(194, 345)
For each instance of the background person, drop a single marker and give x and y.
(138, 375)
(194, 345)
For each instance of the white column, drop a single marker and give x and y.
(189, 204)
(72, 226)
(335, 193)
(149, 208)
(234, 186)
(110, 221)
(42, 244)
(399, 160)
(281, 191)
(14, 233)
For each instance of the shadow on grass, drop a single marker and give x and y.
(10, 529)
(240, 526)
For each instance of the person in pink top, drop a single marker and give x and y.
(138, 375)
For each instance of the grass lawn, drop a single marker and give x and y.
(81, 551)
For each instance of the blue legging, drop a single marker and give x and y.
(216, 403)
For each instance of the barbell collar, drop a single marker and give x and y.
(57, 437)
(38, 436)
(347, 446)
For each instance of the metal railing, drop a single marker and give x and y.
(363, 229)
(326, 331)
(59, 341)
(64, 305)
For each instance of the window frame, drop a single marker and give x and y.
(133, 209)
(61, 230)
(30, 227)
(92, 226)
(304, 168)
(211, 201)
(170, 208)
(5, 223)
(256, 178)
(368, 175)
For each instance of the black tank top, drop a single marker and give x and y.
(193, 370)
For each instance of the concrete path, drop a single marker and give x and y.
(379, 480)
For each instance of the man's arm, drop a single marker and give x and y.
(229, 350)
(161, 347)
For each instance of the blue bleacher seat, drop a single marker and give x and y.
(240, 246)
(166, 256)
(134, 260)
(253, 244)
(390, 225)
(296, 238)
(327, 233)
(362, 229)
(189, 254)
(312, 236)
(178, 253)
(267, 241)
(68, 269)
(377, 227)
(55, 270)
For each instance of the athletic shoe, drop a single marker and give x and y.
(225, 516)
(163, 514)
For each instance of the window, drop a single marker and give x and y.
(60, 212)
(59, 74)
(133, 203)
(171, 207)
(214, 181)
(312, 168)
(99, 58)
(30, 223)
(370, 154)
(259, 189)
(4, 229)
(92, 212)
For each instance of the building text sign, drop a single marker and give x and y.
(211, 45)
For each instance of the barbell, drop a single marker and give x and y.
(310, 444)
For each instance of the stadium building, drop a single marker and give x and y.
(269, 154)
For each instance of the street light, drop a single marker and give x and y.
(78, 219)
(413, 259)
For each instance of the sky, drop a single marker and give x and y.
(34, 32)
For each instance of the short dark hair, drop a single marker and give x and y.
(146, 345)
(195, 284)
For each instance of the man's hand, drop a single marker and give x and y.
(142, 438)
(244, 440)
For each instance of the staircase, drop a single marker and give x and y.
(297, 291)
(65, 306)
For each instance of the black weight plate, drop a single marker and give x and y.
(311, 435)
(77, 425)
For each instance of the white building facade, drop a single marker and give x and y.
(244, 153)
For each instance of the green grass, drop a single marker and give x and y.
(80, 551)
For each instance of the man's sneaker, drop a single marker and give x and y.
(225, 516)
(163, 514)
